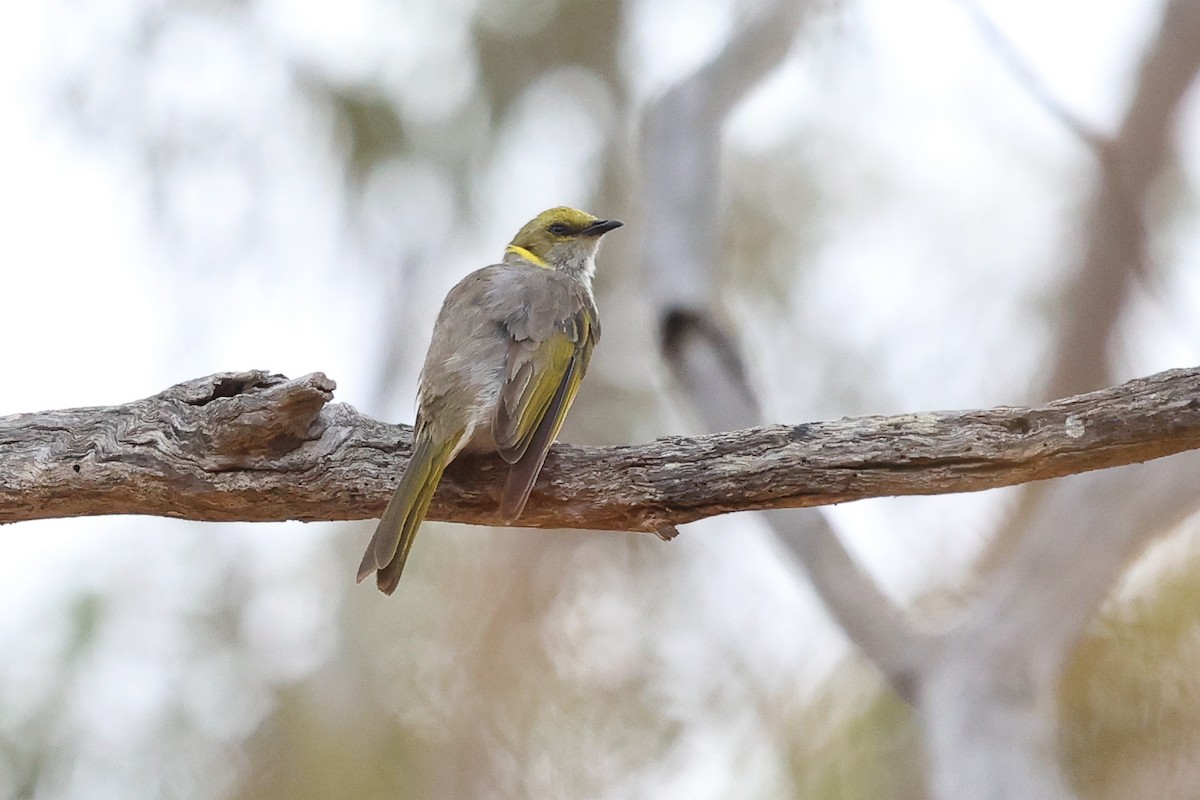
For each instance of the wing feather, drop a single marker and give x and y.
(528, 395)
(549, 350)
(523, 473)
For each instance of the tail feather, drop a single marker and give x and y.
(398, 526)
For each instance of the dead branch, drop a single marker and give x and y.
(258, 447)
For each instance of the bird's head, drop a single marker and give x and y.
(565, 239)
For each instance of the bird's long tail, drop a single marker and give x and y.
(398, 526)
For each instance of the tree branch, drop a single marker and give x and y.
(988, 703)
(682, 264)
(1033, 83)
(258, 447)
(1116, 247)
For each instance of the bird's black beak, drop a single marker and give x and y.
(601, 227)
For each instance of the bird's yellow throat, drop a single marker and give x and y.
(517, 250)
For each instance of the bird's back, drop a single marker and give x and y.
(482, 318)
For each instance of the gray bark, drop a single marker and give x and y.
(259, 447)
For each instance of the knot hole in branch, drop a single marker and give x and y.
(258, 421)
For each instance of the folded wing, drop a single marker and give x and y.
(547, 359)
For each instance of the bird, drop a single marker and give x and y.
(509, 349)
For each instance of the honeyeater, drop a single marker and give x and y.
(509, 349)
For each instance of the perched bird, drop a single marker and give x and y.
(509, 349)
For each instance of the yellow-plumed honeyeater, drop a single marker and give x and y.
(509, 350)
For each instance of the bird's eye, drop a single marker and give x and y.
(559, 229)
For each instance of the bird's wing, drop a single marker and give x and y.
(551, 343)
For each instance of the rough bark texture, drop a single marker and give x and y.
(258, 447)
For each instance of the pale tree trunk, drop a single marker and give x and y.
(984, 690)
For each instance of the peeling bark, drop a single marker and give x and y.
(258, 447)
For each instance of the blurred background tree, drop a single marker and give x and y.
(905, 206)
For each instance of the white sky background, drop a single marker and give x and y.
(101, 306)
